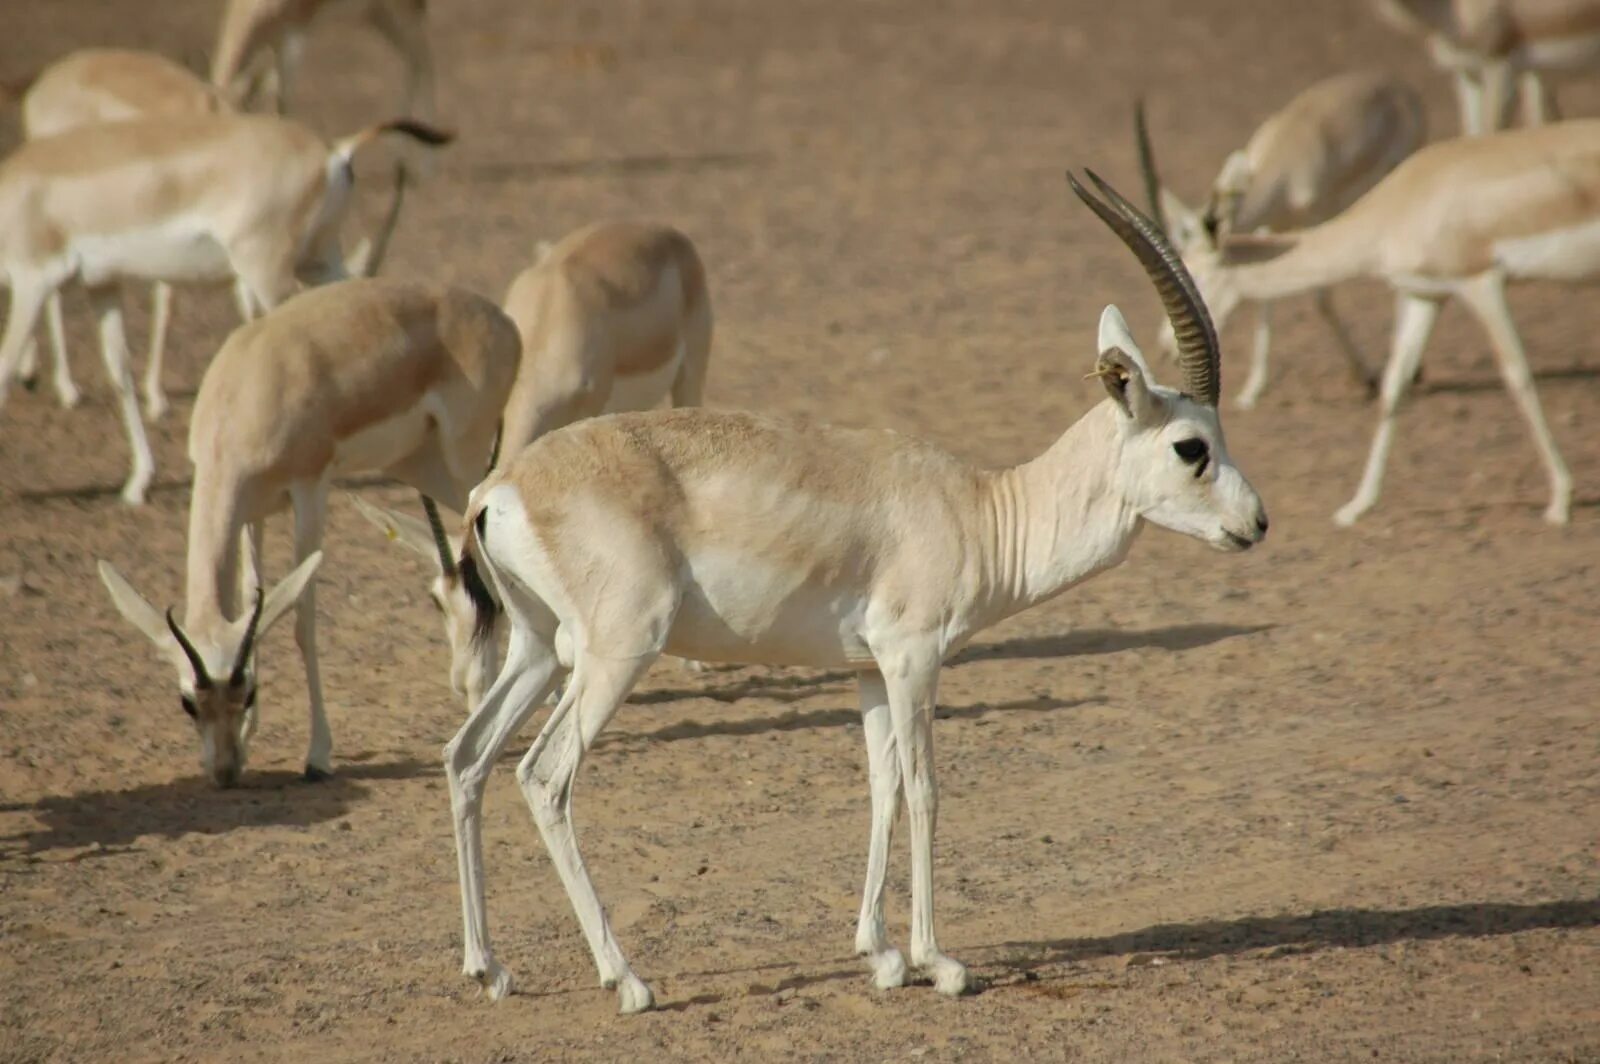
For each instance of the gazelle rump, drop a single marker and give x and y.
(360, 376)
(615, 316)
(1304, 164)
(1458, 219)
(736, 537)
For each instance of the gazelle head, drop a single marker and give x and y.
(472, 664)
(1195, 234)
(1171, 462)
(216, 666)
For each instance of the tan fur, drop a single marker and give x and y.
(113, 85)
(608, 305)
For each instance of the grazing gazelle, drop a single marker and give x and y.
(614, 317)
(1459, 218)
(260, 42)
(1497, 49)
(181, 200)
(363, 376)
(1302, 166)
(740, 538)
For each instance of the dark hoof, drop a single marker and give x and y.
(30, 384)
(313, 774)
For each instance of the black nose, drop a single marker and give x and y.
(1261, 523)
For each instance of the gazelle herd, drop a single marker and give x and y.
(605, 532)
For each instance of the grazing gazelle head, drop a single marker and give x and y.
(1172, 463)
(216, 665)
(472, 664)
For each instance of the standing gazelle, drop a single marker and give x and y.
(362, 376)
(733, 537)
(615, 316)
(1460, 218)
(1307, 162)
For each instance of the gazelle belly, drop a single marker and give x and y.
(642, 391)
(1571, 254)
(383, 443)
(177, 251)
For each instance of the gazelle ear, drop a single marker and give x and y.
(1120, 367)
(134, 606)
(287, 591)
(1184, 223)
(410, 532)
(1115, 335)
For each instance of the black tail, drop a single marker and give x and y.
(484, 608)
(418, 131)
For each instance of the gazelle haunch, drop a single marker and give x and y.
(733, 537)
(1498, 49)
(259, 43)
(94, 86)
(1460, 218)
(615, 316)
(191, 200)
(1302, 166)
(361, 376)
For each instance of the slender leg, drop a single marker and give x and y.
(310, 515)
(883, 776)
(1497, 83)
(1413, 321)
(1256, 383)
(243, 301)
(155, 400)
(107, 303)
(27, 300)
(596, 690)
(290, 48)
(1352, 354)
(1469, 97)
(522, 686)
(66, 391)
(1485, 296)
(913, 684)
(28, 364)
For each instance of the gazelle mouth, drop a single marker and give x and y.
(1238, 542)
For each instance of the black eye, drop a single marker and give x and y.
(189, 707)
(1191, 450)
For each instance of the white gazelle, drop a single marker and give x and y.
(614, 317)
(1458, 219)
(187, 200)
(1313, 158)
(734, 537)
(363, 376)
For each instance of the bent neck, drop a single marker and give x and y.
(213, 556)
(1322, 256)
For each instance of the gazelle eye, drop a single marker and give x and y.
(1191, 450)
(189, 707)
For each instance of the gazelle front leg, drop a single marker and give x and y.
(155, 400)
(913, 683)
(883, 775)
(67, 393)
(1323, 299)
(1413, 321)
(310, 514)
(107, 303)
(1256, 383)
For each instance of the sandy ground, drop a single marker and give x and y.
(1335, 799)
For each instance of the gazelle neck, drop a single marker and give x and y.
(1323, 255)
(1060, 518)
(213, 556)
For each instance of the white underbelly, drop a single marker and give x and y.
(176, 252)
(644, 391)
(1562, 54)
(381, 445)
(1562, 255)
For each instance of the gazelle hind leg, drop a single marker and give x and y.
(107, 303)
(27, 300)
(155, 400)
(524, 683)
(883, 776)
(1485, 296)
(1359, 370)
(1256, 383)
(597, 688)
(310, 516)
(67, 393)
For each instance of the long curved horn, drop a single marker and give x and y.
(440, 540)
(1199, 354)
(202, 678)
(1147, 167)
(236, 678)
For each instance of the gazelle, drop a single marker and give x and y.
(1460, 218)
(1302, 166)
(362, 376)
(193, 200)
(615, 316)
(260, 43)
(91, 87)
(1496, 49)
(735, 537)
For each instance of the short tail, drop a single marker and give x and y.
(432, 136)
(484, 608)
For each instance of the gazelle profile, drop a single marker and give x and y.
(616, 316)
(1302, 166)
(1460, 218)
(734, 537)
(1499, 49)
(260, 42)
(184, 201)
(362, 376)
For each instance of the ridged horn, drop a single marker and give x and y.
(440, 540)
(202, 678)
(1199, 355)
(236, 678)
(1147, 167)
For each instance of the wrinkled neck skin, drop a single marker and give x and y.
(1060, 519)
